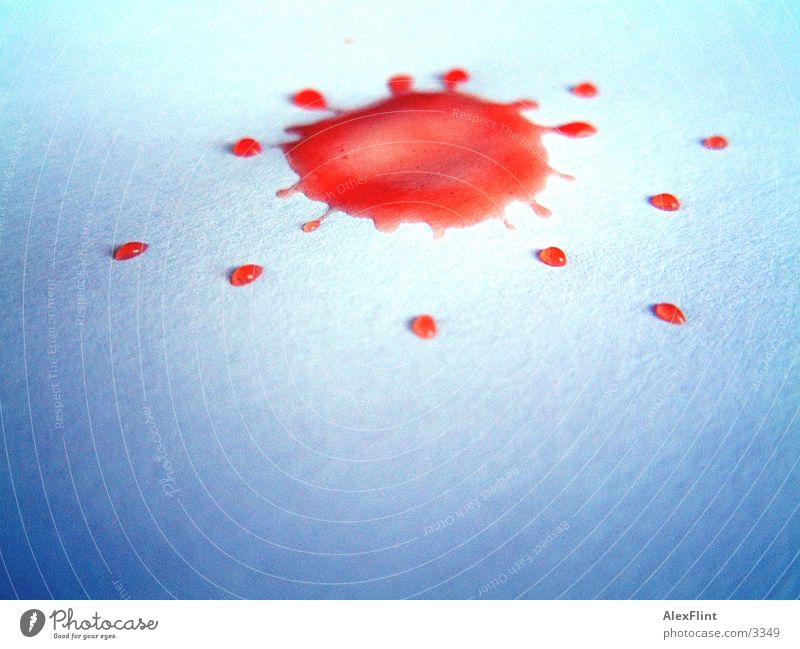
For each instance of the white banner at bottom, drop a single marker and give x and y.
(390, 624)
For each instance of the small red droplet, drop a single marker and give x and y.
(455, 76)
(553, 256)
(715, 142)
(246, 274)
(666, 202)
(586, 90)
(311, 99)
(311, 225)
(130, 250)
(247, 147)
(424, 326)
(576, 129)
(669, 313)
(400, 83)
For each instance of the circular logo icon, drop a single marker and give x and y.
(31, 622)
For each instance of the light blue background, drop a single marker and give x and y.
(317, 448)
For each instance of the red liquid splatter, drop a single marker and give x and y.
(715, 142)
(311, 225)
(130, 250)
(448, 159)
(246, 147)
(553, 256)
(576, 129)
(310, 99)
(246, 274)
(666, 202)
(669, 313)
(586, 90)
(424, 326)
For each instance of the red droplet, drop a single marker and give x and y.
(715, 142)
(400, 83)
(130, 250)
(586, 90)
(246, 274)
(247, 147)
(669, 313)
(424, 326)
(380, 161)
(576, 129)
(455, 76)
(666, 202)
(311, 99)
(553, 256)
(311, 225)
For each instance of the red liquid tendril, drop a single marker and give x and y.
(424, 326)
(576, 129)
(130, 250)
(400, 83)
(445, 158)
(669, 313)
(310, 99)
(455, 77)
(246, 274)
(246, 148)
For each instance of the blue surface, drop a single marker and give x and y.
(166, 435)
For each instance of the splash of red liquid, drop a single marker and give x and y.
(446, 158)
(666, 202)
(247, 147)
(130, 250)
(715, 142)
(669, 313)
(246, 274)
(553, 256)
(424, 326)
(587, 90)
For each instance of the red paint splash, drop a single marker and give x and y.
(666, 202)
(246, 274)
(424, 326)
(586, 90)
(130, 250)
(445, 158)
(669, 313)
(247, 147)
(553, 256)
(715, 142)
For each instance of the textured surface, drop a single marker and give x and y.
(167, 434)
